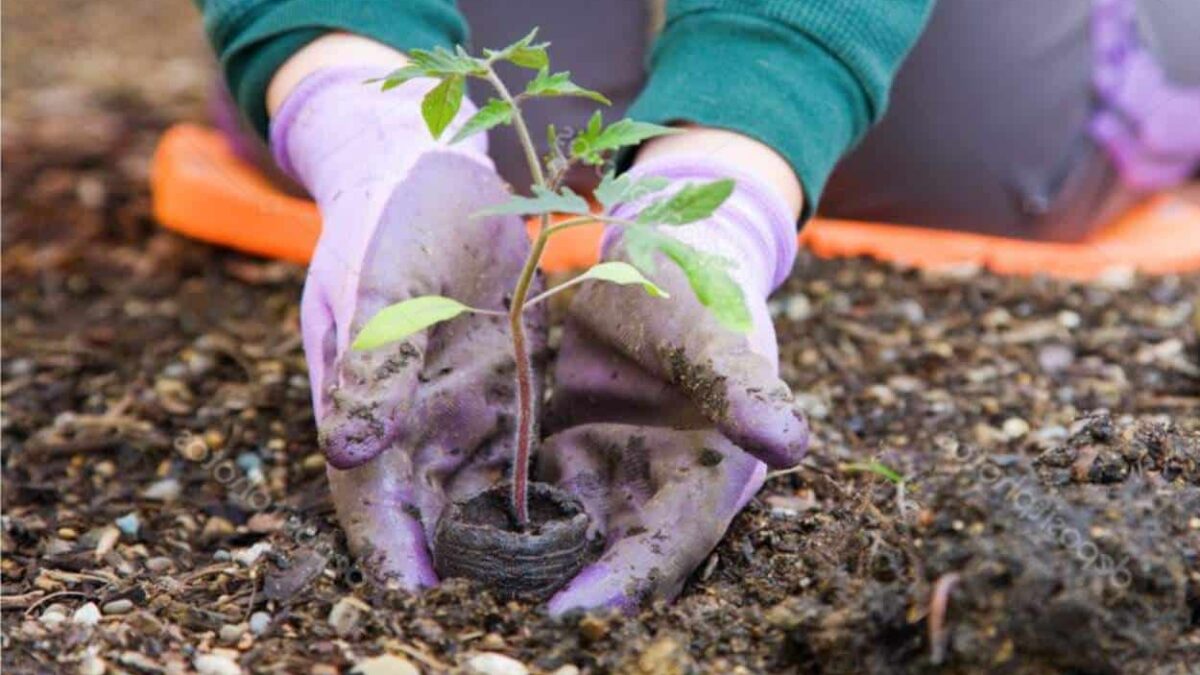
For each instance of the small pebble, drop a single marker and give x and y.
(105, 469)
(386, 664)
(174, 370)
(249, 461)
(491, 663)
(222, 555)
(264, 523)
(492, 642)
(1055, 357)
(260, 622)
(246, 557)
(106, 540)
(21, 367)
(592, 628)
(1049, 436)
(92, 665)
(54, 616)
(87, 615)
(193, 448)
(1014, 428)
(140, 662)
(313, 463)
(129, 524)
(811, 405)
(566, 670)
(230, 633)
(912, 311)
(159, 564)
(216, 528)
(165, 490)
(797, 308)
(345, 616)
(1069, 320)
(664, 656)
(121, 606)
(216, 664)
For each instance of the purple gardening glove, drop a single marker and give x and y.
(666, 421)
(409, 426)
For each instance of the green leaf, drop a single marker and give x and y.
(533, 58)
(692, 203)
(707, 274)
(495, 112)
(542, 201)
(523, 53)
(623, 273)
(559, 84)
(441, 62)
(398, 321)
(441, 104)
(876, 467)
(400, 76)
(612, 191)
(590, 145)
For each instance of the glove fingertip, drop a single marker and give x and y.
(594, 588)
(351, 443)
(775, 433)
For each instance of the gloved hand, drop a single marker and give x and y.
(408, 426)
(666, 421)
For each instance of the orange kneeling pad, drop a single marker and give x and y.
(203, 190)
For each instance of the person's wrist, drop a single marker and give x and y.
(336, 128)
(750, 155)
(755, 226)
(327, 51)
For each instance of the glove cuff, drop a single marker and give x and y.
(754, 226)
(336, 129)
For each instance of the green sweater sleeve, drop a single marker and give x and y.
(806, 77)
(252, 38)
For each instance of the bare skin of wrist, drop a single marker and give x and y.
(750, 155)
(345, 49)
(334, 49)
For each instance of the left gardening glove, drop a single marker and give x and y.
(409, 426)
(665, 420)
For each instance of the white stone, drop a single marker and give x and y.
(491, 663)
(216, 664)
(387, 664)
(1014, 428)
(87, 615)
(259, 622)
(246, 557)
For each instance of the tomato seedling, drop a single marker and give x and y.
(666, 205)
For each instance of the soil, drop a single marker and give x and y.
(159, 453)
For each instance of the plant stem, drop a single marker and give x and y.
(526, 405)
(535, 166)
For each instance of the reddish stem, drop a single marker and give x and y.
(525, 423)
(526, 405)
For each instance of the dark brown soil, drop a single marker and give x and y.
(493, 509)
(144, 374)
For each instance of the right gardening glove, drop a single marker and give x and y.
(664, 420)
(410, 426)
